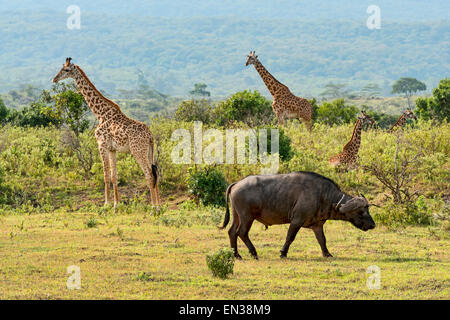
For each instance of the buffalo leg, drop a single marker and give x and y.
(232, 233)
(292, 232)
(244, 228)
(320, 236)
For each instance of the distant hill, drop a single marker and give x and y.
(184, 42)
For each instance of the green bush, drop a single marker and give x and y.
(438, 105)
(401, 214)
(335, 112)
(194, 110)
(285, 150)
(249, 107)
(221, 263)
(207, 186)
(91, 222)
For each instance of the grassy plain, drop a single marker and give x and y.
(133, 255)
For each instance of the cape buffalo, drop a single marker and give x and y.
(302, 199)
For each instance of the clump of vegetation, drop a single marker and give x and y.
(248, 107)
(436, 107)
(221, 263)
(194, 110)
(207, 186)
(335, 112)
(144, 276)
(91, 222)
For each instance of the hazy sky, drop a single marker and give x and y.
(397, 10)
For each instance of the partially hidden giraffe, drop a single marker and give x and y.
(408, 114)
(115, 133)
(349, 155)
(285, 104)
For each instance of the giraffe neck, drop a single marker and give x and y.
(102, 107)
(355, 141)
(271, 83)
(400, 122)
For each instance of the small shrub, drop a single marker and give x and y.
(91, 222)
(207, 186)
(143, 276)
(403, 214)
(221, 263)
(285, 149)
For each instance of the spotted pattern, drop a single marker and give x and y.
(349, 155)
(285, 104)
(115, 133)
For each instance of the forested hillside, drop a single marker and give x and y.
(183, 43)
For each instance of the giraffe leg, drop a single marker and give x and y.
(143, 161)
(106, 172)
(280, 117)
(113, 164)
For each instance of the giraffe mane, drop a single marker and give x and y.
(272, 75)
(398, 120)
(96, 90)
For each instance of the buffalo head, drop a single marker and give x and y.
(356, 211)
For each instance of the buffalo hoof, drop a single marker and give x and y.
(327, 255)
(237, 256)
(283, 256)
(255, 257)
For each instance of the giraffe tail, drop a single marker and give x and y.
(154, 164)
(155, 174)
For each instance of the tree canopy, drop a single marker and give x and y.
(408, 86)
(438, 105)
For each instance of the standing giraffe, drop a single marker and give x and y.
(348, 156)
(115, 133)
(408, 114)
(285, 104)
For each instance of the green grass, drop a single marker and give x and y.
(130, 255)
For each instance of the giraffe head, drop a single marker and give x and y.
(251, 58)
(408, 114)
(365, 118)
(67, 71)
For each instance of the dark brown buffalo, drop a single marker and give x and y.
(302, 199)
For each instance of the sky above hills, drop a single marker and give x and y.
(396, 10)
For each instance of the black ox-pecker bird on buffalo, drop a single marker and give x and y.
(302, 199)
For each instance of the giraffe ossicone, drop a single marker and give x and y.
(115, 133)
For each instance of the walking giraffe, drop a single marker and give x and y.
(115, 133)
(285, 104)
(408, 114)
(348, 156)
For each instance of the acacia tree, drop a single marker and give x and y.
(371, 90)
(200, 90)
(408, 86)
(335, 90)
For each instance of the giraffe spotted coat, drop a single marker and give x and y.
(115, 133)
(285, 104)
(408, 114)
(349, 155)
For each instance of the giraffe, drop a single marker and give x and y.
(285, 104)
(348, 156)
(408, 114)
(115, 133)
